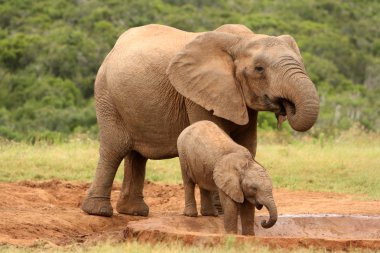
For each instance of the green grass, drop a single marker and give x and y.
(331, 168)
(68, 161)
(75, 160)
(349, 164)
(230, 246)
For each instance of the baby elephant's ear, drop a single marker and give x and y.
(227, 177)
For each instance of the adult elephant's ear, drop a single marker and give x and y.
(291, 43)
(203, 71)
(235, 29)
(226, 176)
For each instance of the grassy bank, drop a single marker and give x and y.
(74, 160)
(349, 164)
(230, 246)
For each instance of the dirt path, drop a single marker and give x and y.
(34, 213)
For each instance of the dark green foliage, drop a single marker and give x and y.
(16, 50)
(50, 52)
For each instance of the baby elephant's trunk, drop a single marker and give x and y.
(272, 209)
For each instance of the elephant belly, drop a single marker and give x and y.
(155, 146)
(153, 119)
(153, 112)
(154, 129)
(206, 182)
(200, 170)
(209, 186)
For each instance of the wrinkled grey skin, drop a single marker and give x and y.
(211, 159)
(158, 80)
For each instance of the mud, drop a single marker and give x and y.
(33, 213)
(329, 231)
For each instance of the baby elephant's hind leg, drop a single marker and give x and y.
(207, 207)
(190, 204)
(216, 202)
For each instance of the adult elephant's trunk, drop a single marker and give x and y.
(272, 209)
(301, 103)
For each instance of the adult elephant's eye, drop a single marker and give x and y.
(259, 69)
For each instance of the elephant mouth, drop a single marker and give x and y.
(281, 111)
(257, 204)
(281, 107)
(284, 107)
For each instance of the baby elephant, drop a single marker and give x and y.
(211, 159)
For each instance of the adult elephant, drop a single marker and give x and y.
(157, 80)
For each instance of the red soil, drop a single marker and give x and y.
(38, 213)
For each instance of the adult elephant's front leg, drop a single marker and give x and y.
(198, 113)
(247, 135)
(131, 200)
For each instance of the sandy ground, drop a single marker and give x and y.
(48, 213)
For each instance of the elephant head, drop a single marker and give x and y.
(257, 188)
(240, 177)
(225, 73)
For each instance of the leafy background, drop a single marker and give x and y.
(50, 52)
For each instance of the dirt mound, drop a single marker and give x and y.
(291, 231)
(35, 213)
(350, 227)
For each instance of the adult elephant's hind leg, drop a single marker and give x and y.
(131, 200)
(114, 145)
(98, 201)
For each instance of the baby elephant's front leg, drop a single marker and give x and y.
(247, 216)
(230, 213)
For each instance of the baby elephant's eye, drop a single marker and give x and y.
(259, 69)
(253, 190)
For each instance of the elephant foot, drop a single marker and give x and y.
(251, 233)
(247, 224)
(132, 207)
(98, 206)
(230, 231)
(210, 213)
(190, 211)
